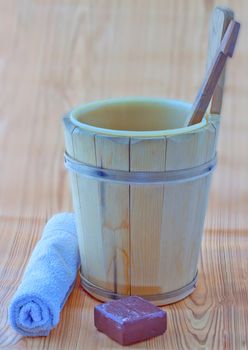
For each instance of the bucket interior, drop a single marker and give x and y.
(140, 115)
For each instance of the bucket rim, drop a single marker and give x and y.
(86, 107)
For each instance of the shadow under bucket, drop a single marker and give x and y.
(140, 185)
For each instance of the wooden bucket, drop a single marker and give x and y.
(140, 196)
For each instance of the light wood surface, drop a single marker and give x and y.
(146, 207)
(182, 219)
(114, 203)
(57, 54)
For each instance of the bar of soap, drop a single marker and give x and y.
(130, 320)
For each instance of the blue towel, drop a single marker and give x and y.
(48, 279)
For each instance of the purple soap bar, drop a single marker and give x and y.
(130, 320)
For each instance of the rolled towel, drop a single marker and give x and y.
(48, 279)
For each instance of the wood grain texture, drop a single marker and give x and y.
(114, 199)
(57, 54)
(145, 223)
(183, 219)
(88, 194)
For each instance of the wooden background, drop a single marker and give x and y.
(56, 54)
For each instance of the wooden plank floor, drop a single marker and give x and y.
(56, 54)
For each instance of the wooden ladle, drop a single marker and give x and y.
(220, 20)
(207, 88)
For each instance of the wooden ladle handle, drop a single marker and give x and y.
(220, 20)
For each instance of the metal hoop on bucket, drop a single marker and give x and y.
(157, 299)
(139, 177)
